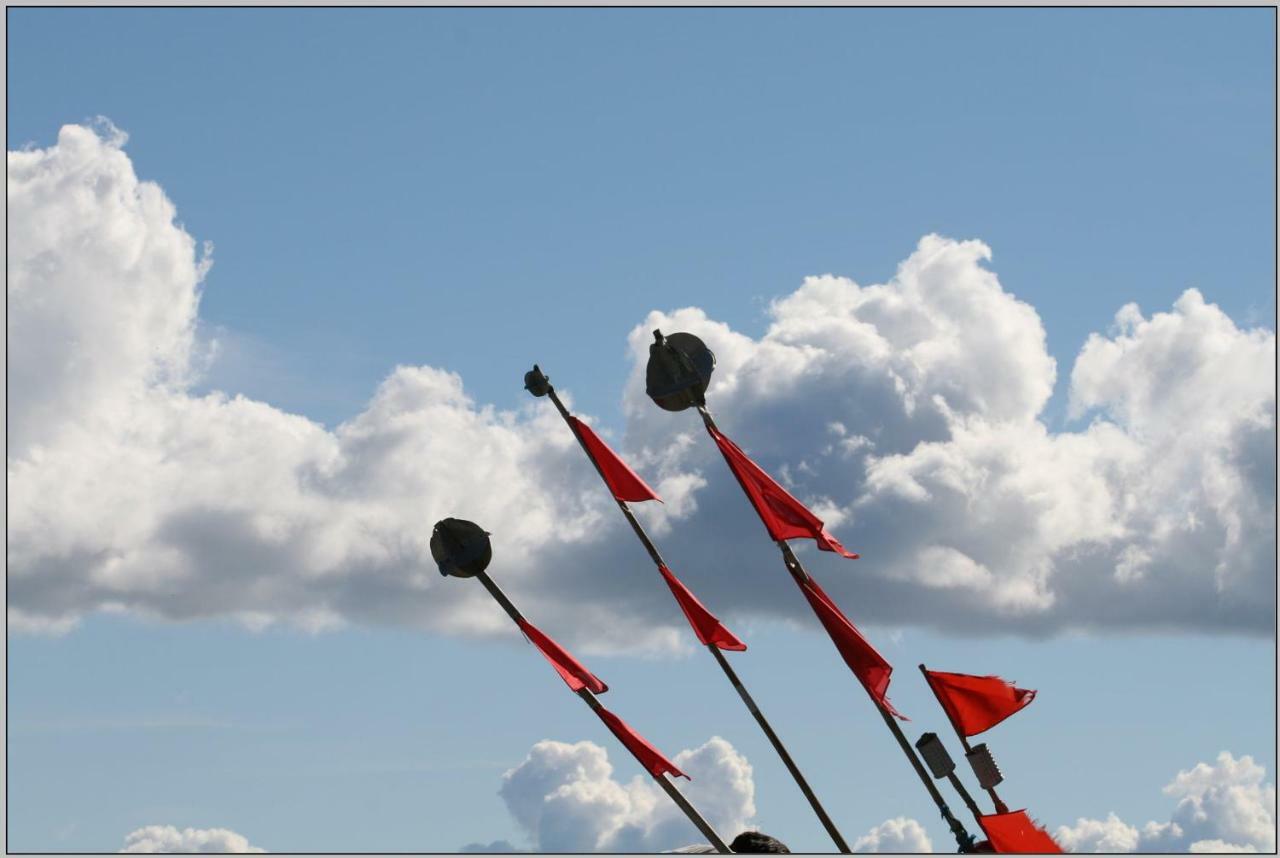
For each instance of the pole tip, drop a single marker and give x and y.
(460, 548)
(678, 371)
(536, 382)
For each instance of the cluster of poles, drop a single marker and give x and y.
(678, 373)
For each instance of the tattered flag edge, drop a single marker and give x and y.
(943, 693)
(572, 671)
(843, 633)
(706, 625)
(653, 760)
(1015, 832)
(783, 515)
(623, 482)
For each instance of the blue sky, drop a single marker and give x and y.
(515, 161)
(476, 190)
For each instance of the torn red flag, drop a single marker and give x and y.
(866, 663)
(649, 756)
(783, 515)
(976, 703)
(625, 483)
(570, 669)
(1014, 832)
(705, 624)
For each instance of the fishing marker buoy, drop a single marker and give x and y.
(678, 371)
(460, 548)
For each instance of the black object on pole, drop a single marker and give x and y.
(462, 549)
(537, 383)
(678, 371)
(677, 376)
(942, 766)
(979, 758)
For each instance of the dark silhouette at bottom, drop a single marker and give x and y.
(746, 843)
(756, 842)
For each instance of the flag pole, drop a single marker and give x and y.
(682, 382)
(964, 840)
(942, 766)
(543, 382)
(966, 797)
(590, 699)
(1001, 807)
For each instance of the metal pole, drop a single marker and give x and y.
(715, 651)
(782, 752)
(963, 839)
(966, 797)
(1001, 807)
(500, 597)
(683, 803)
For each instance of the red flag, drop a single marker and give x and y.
(649, 756)
(625, 483)
(866, 663)
(570, 669)
(976, 703)
(783, 515)
(705, 625)
(1014, 832)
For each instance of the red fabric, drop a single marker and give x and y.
(866, 663)
(705, 625)
(649, 756)
(625, 483)
(976, 703)
(1014, 832)
(570, 669)
(783, 515)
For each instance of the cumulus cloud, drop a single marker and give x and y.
(1099, 835)
(900, 834)
(907, 412)
(103, 287)
(167, 839)
(566, 799)
(1222, 807)
(130, 493)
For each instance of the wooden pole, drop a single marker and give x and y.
(963, 839)
(590, 699)
(965, 797)
(729, 672)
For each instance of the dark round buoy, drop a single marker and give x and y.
(679, 371)
(460, 548)
(537, 383)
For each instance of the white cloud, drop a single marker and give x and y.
(129, 493)
(1222, 807)
(900, 834)
(565, 798)
(906, 411)
(969, 512)
(168, 839)
(1099, 835)
(103, 288)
